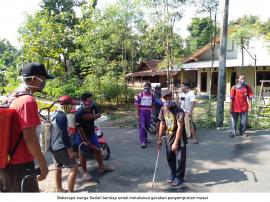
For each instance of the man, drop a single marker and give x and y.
(240, 104)
(172, 119)
(85, 118)
(187, 103)
(144, 106)
(34, 76)
(61, 147)
(157, 107)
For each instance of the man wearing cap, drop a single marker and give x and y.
(60, 145)
(85, 118)
(145, 106)
(187, 103)
(172, 120)
(34, 76)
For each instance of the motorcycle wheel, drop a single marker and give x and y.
(105, 151)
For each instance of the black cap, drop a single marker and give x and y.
(166, 92)
(35, 69)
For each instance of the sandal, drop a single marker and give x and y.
(62, 191)
(106, 170)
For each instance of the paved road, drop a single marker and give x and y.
(217, 164)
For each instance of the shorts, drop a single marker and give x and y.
(11, 178)
(93, 140)
(61, 158)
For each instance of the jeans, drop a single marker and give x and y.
(243, 121)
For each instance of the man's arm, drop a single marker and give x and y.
(32, 143)
(160, 133)
(179, 132)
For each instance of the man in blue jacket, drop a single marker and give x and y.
(61, 147)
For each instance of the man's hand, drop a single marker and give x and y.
(249, 110)
(71, 154)
(175, 147)
(159, 143)
(43, 172)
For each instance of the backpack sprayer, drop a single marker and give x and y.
(46, 128)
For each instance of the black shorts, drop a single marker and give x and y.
(61, 158)
(11, 178)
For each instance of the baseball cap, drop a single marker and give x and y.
(65, 100)
(35, 69)
(166, 92)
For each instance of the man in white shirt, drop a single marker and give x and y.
(187, 103)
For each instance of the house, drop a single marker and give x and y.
(148, 72)
(199, 68)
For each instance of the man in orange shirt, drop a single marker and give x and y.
(241, 103)
(22, 163)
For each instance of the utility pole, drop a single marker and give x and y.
(222, 64)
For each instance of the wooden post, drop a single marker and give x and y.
(222, 66)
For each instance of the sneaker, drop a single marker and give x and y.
(143, 145)
(244, 134)
(86, 176)
(107, 169)
(195, 141)
(177, 182)
(171, 178)
(232, 135)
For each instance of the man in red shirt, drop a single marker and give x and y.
(22, 163)
(241, 103)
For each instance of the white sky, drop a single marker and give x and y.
(12, 14)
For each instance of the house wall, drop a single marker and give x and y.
(249, 73)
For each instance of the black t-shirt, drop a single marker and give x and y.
(87, 125)
(170, 117)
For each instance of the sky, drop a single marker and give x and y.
(12, 14)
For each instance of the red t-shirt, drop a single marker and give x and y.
(240, 96)
(27, 115)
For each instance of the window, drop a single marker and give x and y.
(203, 81)
(230, 46)
(263, 76)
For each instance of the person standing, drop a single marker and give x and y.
(172, 120)
(240, 104)
(187, 102)
(144, 106)
(34, 76)
(85, 118)
(61, 147)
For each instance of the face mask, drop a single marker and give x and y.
(147, 90)
(241, 81)
(87, 104)
(39, 87)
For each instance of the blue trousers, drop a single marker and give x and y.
(145, 120)
(243, 121)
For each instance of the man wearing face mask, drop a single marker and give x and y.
(144, 106)
(22, 163)
(60, 145)
(240, 104)
(187, 103)
(85, 119)
(172, 120)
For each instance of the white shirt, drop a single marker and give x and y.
(186, 100)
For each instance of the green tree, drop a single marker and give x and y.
(243, 29)
(200, 33)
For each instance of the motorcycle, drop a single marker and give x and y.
(104, 147)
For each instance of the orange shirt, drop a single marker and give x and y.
(27, 117)
(239, 96)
